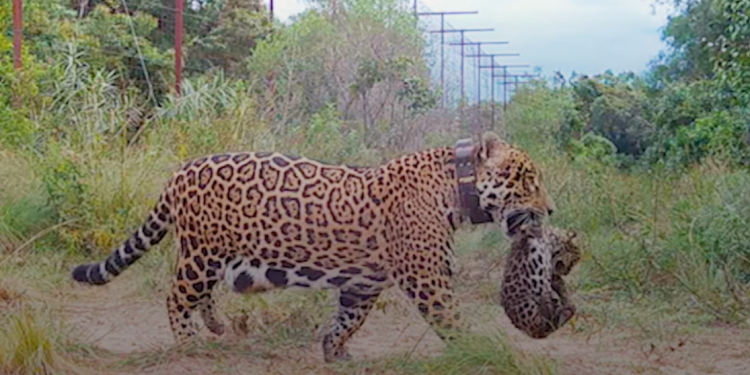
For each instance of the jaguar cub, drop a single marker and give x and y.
(533, 291)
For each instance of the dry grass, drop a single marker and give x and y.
(33, 341)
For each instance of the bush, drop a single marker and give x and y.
(618, 120)
(592, 147)
(678, 124)
(609, 107)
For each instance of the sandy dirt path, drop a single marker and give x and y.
(113, 318)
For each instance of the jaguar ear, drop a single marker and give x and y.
(490, 146)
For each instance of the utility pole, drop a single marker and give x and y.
(492, 76)
(493, 66)
(178, 46)
(17, 33)
(463, 43)
(270, 11)
(505, 89)
(479, 61)
(442, 32)
(515, 82)
(492, 56)
(505, 81)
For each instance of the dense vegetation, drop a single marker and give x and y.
(651, 168)
(691, 104)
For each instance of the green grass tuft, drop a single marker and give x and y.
(488, 353)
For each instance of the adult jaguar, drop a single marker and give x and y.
(264, 220)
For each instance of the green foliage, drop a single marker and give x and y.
(731, 48)
(15, 128)
(594, 148)
(687, 33)
(64, 182)
(678, 124)
(21, 90)
(721, 134)
(693, 103)
(418, 94)
(619, 119)
(119, 43)
(319, 59)
(24, 208)
(237, 27)
(325, 138)
(609, 107)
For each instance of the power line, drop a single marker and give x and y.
(463, 43)
(17, 33)
(479, 61)
(494, 66)
(178, 47)
(442, 32)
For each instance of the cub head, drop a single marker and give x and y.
(509, 185)
(566, 251)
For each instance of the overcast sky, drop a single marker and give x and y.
(586, 36)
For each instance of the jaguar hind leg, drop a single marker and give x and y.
(181, 306)
(354, 306)
(180, 310)
(192, 288)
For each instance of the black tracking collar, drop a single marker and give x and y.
(467, 188)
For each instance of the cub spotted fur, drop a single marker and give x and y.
(533, 291)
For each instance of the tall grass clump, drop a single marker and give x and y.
(23, 203)
(487, 353)
(102, 175)
(32, 343)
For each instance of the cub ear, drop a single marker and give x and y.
(572, 235)
(490, 145)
